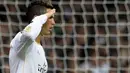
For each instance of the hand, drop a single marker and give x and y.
(50, 13)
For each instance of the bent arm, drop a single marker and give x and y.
(24, 39)
(34, 28)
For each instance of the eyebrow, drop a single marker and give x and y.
(51, 17)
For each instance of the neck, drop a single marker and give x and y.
(38, 39)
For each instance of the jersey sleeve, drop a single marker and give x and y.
(24, 39)
(34, 28)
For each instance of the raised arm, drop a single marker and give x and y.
(34, 28)
(24, 39)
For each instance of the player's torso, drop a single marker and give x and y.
(35, 60)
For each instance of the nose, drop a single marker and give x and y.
(53, 22)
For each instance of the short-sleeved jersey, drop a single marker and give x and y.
(26, 55)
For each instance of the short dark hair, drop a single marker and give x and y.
(37, 7)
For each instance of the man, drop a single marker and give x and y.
(26, 53)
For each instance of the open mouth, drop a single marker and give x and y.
(50, 29)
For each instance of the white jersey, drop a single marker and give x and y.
(26, 55)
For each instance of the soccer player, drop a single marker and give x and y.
(26, 54)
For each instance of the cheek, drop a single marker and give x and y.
(48, 24)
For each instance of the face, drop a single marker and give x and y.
(47, 27)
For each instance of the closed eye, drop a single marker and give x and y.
(51, 17)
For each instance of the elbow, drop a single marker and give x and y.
(27, 35)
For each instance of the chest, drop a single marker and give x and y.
(37, 58)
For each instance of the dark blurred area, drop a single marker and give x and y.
(90, 36)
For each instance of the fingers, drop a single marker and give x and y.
(51, 13)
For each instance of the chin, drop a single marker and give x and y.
(47, 33)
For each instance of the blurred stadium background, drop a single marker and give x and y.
(90, 36)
